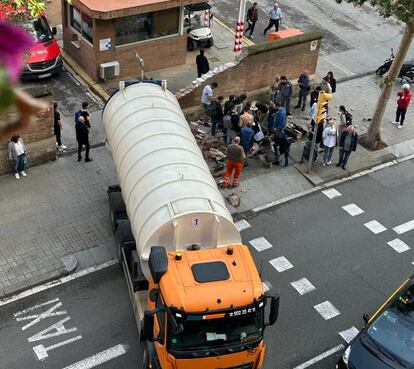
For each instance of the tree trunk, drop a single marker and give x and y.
(374, 130)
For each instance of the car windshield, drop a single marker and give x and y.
(394, 328)
(210, 331)
(39, 28)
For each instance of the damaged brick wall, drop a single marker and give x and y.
(38, 136)
(254, 70)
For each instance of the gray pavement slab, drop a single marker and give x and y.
(59, 209)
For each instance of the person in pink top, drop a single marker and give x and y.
(404, 97)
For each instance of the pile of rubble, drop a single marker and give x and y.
(214, 149)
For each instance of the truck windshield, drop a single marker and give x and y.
(393, 330)
(210, 331)
(39, 28)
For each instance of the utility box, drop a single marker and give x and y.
(109, 70)
(284, 34)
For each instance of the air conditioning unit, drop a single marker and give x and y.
(109, 70)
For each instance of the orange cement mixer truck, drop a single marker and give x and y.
(196, 292)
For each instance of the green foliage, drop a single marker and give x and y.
(403, 10)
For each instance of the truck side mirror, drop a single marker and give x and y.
(54, 31)
(158, 263)
(366, 318)
(148, 326)
(274, 309)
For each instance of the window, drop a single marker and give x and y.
(147, 26)
(81, 23)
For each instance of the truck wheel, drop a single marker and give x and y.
(124, 237)
(117, 209)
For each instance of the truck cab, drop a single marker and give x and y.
(205, 310)
(44, 59)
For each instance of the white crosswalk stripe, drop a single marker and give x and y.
(349, 334)
(375, 227)
(331, 193)
(281, 264)
(242, 224)
(352, 209)
(303, 286)
(398, 245)
(327, 310)
(260, 244)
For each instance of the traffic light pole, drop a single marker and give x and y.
(312, 150)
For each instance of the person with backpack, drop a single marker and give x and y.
(345, 119)
(347, 143)
(84, 113)
(216, 115)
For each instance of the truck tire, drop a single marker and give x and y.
(124, 238)
(117, 208)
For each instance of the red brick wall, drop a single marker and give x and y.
(254, 73)
(37, 136)
(157, 54)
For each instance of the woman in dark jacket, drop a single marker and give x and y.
(332, 81)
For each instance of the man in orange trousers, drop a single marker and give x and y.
(235, 160)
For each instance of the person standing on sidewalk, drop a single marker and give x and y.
(252, 17)
(235, 159)
(82, 136)
(202, 64)
(285, 89)
(325, 85)
(275, 15)
(404, 98)
(57, 128)
(206, 98)
(17, 155)
(332, 81)
(216, 115)
(347, 143)
(329, 142)
(304, 83)
(83, 112)
(280, 118)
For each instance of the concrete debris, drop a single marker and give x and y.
(234, 200)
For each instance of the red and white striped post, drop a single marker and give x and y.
(238, 37)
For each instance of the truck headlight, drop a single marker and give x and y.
(345, 356)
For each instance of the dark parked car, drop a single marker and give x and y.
(387, 339)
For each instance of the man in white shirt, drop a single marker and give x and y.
(275, 15)
(206, 98)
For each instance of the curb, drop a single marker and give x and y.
(232, 31)
(94, 86)
(247, 214)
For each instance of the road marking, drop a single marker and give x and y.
(331, 193)
(320, 357)
(303, 286)
(47, 314)
(267, 286)
(41, 351)
(242, 224)
(327, 310)
(352, 209)
(398, 245)
(281, 264)
(23, 312)
(99, 358)
(58, 329)
(349, 334)
(404, 227)
(375, 227)
(260, 244)
(335, 182)
(57, 282)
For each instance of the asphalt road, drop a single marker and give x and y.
(96, 326)
(349, 269)
(346, 263)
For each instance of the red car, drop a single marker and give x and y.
(44, 58)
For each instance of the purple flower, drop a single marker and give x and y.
(14, 42)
